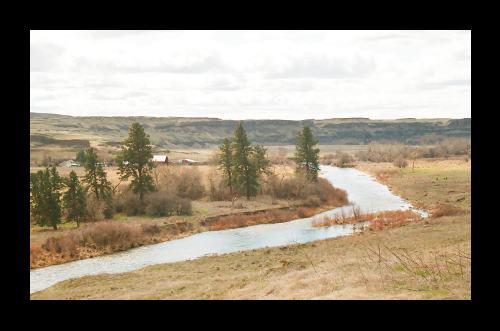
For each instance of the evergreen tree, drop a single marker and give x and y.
(259, 159)
(80, 157)
(135, 160)
(306, 156)
(225, 161)
(95, 177)
(244, 170)
(45, 197)
(75, 200)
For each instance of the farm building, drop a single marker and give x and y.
(69, 163)
(160, 159)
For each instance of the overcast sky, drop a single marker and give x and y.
(252, 74)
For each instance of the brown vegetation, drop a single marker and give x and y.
(378, 221)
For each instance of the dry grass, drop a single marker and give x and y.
(340, 268)
(378, 221)
(446, 210)
(266, 217)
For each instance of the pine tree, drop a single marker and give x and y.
(135, 160)
(261, 163)
(75, 200)
(80, 157)
(244, 170)
(225, 161)
(95, 177)
(306, 156)
(45, 197)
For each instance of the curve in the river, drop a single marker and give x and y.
(362, 190)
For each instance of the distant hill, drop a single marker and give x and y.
(174, 132)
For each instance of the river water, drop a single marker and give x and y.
(363, 191)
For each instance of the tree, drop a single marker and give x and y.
(45, 197)
(244, 170)
(135, 160)
(306, 156)
(225, 162)
(80, 157)
(75, 200)
(261, 163)
(95, 176)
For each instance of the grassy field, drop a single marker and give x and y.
(424, 260)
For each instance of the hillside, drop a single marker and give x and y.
(175, 132)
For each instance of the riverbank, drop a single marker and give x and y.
(57, 247)
(421, 260)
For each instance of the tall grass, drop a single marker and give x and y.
(378, 221)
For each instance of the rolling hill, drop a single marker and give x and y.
(177, 132)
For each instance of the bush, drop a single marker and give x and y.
(189, 185)
(130, 204)
(109, 233)
(182, 182)
(446, 210)
(343, 159)
(151, 229)
(65, 245)
(305, 212)
(217, 191)
(400, 163)
(95, 209)
(312, 201)
(184, 207)
(161, 204)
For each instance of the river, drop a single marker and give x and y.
(363, 191)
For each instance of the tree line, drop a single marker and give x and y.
(134, 161)
(241, 163)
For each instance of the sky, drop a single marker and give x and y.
(290, 75)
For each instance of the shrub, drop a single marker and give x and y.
(343, 159)
(305, 212)
(190, 185)
(446, 210)
(95, 208)
(312, 201)
(35, 251)
(151, 229)
(65, 245)
(109, 233)
(166, 204)
(217, 191)
(160, 204)
(130, 204)
(400, 163)
(184, 207)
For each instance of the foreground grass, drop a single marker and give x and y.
(421, 260)
(342, 268)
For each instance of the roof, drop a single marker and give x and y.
(189, 160)
(159, 158)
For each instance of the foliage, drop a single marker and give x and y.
(45, 197)
(306, 156)
(244, 169)
(75, 200)
(225, 162)
(95, 176)
(135, 160)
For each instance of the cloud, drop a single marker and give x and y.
(446, 84)
(326, 67)
(44, 56)
(201, 64)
